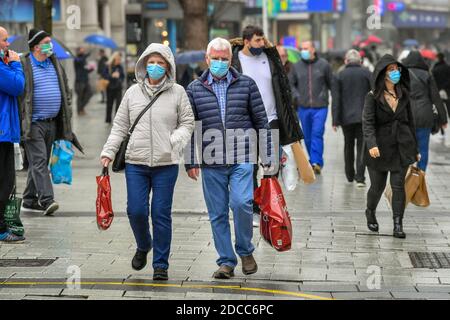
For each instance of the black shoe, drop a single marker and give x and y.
(372, 222)
(139, 260)
(398, 228)
(33, 207)
(50, 208)
(160, 275)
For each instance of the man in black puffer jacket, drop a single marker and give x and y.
(424, 94)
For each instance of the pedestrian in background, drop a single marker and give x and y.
(12, 84)
(153, 154)
(312, 79)
(46, 109)
(101, 65)
(82, 85)
(424, 94)
(441, 73)
(256, 58)
(223, 100)
(389, 139)
(350, 90)
(114, 73)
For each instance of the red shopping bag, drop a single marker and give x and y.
(105, 213)
(275, 226)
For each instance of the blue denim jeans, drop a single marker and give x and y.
(224, 188)
(141, 180)
(313, 125)
(423, 139)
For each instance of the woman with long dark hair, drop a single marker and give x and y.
(390, 139)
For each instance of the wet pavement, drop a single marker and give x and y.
(333, 254)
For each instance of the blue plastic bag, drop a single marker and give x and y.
(61, 162)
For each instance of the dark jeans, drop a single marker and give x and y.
(141, 180)
(352, 133)
(378, 184)
(84, 94)
(112, 96)
(423, 140)
(7, 175)
(38, 150)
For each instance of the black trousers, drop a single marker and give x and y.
(7, 176)
(84, 94)
(112, 96)
(378, 184)
(352, 133)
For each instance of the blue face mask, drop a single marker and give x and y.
(394, 76)
(219, 68)
(306, 55)
(155, 71)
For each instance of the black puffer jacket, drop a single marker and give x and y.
(392, 132)
(290, 130)
(424, 92)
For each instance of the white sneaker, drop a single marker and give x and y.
(360, 184)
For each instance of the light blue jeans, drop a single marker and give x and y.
(224, 188)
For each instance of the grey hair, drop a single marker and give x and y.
(353, 56)
(219, 44)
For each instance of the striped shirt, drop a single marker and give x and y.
(220, 88)
(47, 93)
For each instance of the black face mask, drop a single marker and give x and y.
(256, 51)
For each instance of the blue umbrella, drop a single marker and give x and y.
(410, 43)
(20, 44)
(190, 57)
(102, 41)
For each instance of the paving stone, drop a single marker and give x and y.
(361, 295)
(421, 295)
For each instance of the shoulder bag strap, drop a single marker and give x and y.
(143, 112)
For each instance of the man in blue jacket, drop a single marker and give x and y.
(226, 103)
(12, 83)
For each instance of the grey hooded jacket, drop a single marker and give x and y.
(164, 130)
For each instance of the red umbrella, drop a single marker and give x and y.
(374, 39)
(428, 54)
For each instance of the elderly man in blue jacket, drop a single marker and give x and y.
(230, 111)
(12, 84)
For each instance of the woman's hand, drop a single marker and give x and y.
(374, 152)
(105, 162)
(194, 173)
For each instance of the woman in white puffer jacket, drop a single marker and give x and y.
(153, 154)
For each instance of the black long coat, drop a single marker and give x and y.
(290, 130)
(392, 132)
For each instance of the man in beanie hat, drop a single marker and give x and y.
(46, 117)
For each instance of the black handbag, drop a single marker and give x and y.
(119, 161)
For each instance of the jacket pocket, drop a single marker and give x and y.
(5, 128)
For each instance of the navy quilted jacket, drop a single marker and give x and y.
(223, 145)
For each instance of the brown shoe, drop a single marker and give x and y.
(249, 265)
(317, 169)
(224, 272)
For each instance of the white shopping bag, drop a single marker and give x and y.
(18, 159)
(289, 172)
